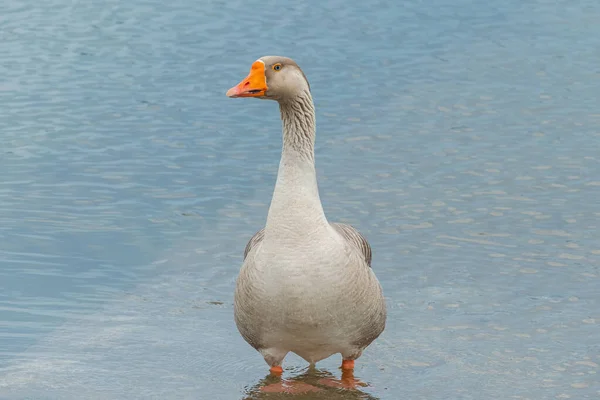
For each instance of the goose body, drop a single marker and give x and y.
(305, 285)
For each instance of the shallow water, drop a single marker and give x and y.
(460, 137)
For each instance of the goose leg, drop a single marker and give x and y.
(276, 370)
(274, 358)
(348, 358)
(347, 365)
(348, 381)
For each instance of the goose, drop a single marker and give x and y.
(305, 285)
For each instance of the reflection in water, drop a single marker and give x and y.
(130, 184)
(313, 384)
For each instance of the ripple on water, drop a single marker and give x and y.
(131, 184)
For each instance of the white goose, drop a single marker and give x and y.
(306, 285)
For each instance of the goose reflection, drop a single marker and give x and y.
(313, 384)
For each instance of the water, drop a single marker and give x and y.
(460, 137)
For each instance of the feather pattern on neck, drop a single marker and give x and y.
(298, 117)
(296, 209)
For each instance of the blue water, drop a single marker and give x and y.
(461, 137)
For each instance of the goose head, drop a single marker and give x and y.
(272, 78)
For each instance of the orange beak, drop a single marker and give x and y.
(254, 85)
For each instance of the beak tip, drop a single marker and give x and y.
(231, 92)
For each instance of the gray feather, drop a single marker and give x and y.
(254, 240)
(355, 238)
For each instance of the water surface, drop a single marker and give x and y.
(460, 137)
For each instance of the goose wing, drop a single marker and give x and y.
(355, 238)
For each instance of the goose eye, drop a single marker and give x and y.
(276, 67)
